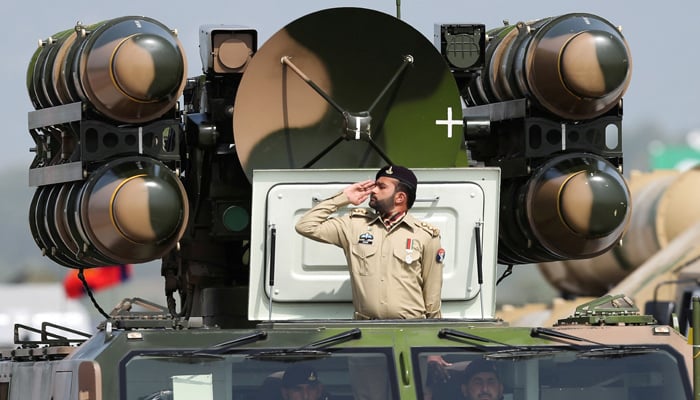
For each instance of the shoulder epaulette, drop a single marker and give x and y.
(359, 212)
(432, 230)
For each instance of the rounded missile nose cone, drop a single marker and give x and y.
(593, 204)
(594, 63)
(148, 68)
(147, 210)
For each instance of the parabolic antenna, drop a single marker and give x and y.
(347, 88)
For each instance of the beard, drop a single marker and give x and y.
(382, 207)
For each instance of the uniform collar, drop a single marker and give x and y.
(408, 220)
(393, 220)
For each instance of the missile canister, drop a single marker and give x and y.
(129, 69)
(577, 66)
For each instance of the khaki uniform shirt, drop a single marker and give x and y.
(395, 273)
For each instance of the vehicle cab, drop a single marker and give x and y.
(300, 297)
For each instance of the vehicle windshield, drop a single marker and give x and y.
(568, 374)
(339, 374)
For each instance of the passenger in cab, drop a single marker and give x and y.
(395, 260)
(300, 382)
(481, 381)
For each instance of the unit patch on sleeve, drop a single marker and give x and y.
(440, 257)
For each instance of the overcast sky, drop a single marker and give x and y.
(664, 90)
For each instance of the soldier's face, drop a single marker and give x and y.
(382, 197)
(302, 392)
(483, 386)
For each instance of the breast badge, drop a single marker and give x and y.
(366, 238)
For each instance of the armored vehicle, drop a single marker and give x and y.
(514, 134)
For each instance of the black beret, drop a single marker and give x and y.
(402, 174)
(299, 374)
(478, 366)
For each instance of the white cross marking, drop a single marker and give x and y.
(449, 122)
(140, 139)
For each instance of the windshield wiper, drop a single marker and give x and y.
(453, 334)
(605, 350)
(308, 351)
(552, 334)
(512, 351)
(180, 357)
(207, 354)
(616, 351)
(225, 347)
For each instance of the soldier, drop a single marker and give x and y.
(481, 381)
(300, 382)
(395, 260)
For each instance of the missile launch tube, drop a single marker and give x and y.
(574, 206)
(130, 69)
(663, 208)
(577, 66)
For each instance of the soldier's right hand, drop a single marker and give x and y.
(359, 191)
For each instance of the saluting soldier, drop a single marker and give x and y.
(395, 260)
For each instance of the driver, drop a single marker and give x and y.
(481, 381)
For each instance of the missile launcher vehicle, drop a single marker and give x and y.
(515, 135)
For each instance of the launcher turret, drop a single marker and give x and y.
(135, 162)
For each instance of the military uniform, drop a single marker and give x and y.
(395, 273)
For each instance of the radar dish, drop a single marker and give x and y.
(348, 88)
